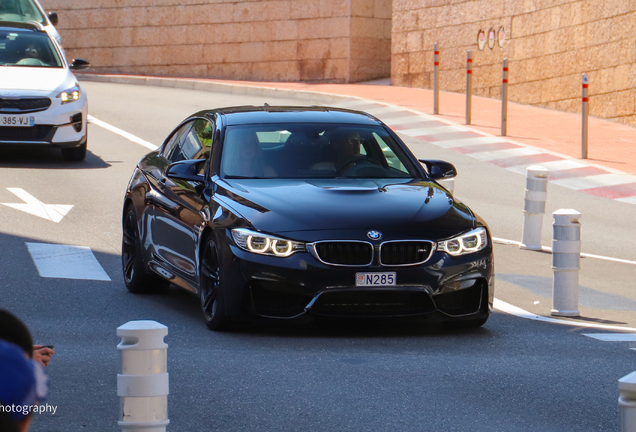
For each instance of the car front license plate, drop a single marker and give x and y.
(375, 279)
(17, 121)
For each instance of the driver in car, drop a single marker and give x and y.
(345, 146)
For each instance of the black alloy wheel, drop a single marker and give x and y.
(211, 288)
(135, 276)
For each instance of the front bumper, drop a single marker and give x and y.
(59, 125)
(285, 288)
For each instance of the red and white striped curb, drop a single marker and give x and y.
(513, 156)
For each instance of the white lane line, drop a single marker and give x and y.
(518, 312)
(66, 262)
(467, 142)
(432, 130)
(549, 249)
(612, 337)
(502, 154)
(601, 180)
(123, 133)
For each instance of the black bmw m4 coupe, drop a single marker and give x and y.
(290, 212)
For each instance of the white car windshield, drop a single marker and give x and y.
(19, 11)
(27, 48)
(313, 151)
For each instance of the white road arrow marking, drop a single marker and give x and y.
(52, 212)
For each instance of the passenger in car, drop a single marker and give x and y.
(244, 157)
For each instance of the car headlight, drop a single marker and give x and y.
(471, 242)
(70, 95)
(264, 244)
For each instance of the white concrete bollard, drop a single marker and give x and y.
(534, 198)
(566, 260)
(448, 184)
(143, 383)
(627, 402)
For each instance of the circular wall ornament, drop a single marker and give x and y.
(481, 39)
(501, 36)
(492, 38)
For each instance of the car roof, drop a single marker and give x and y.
(290, 114)
(22, 26)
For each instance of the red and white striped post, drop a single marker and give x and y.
(469, 85)
(436, 80)
(504, 99)
(584, 113)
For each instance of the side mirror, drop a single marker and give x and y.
(78, 64)
(53, 18)
(438, 169)
(186, 170)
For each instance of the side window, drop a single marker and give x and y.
(174, 142)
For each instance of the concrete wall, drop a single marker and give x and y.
(277, 40)
(549, 44)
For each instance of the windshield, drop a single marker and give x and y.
(313, 151)
(27, 48)
(20, 11)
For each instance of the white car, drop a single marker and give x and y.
(41, 101)
(29, 10)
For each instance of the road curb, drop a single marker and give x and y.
(202, 85)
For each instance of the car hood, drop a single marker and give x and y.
(22, 80)
(395, 207)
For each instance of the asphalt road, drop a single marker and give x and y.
(511, 375)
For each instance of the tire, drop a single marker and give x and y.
(135, 277)
(211, 289)
(75, 154)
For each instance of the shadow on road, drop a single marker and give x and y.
(44, 157)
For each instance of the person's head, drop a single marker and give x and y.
(18, 388)
(31, 51)
(241, 154)
(347, 144)
(13, 330)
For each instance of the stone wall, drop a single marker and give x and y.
(274, 40)
(548, 43)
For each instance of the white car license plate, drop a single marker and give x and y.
(17, 121)
(375, 279)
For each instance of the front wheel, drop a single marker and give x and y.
(135, 276)
(211, 289)
(75, 154)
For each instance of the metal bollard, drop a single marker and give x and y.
(469, 86)
(143, 383)
(504, 99)
(584, 115)
(627, 402)
(436, 80)
(566, 260)
(534, 198)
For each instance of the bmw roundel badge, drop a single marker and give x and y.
(374, 235)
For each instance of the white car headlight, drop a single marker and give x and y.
(264, 244)
(70, 95)
(471, 242)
